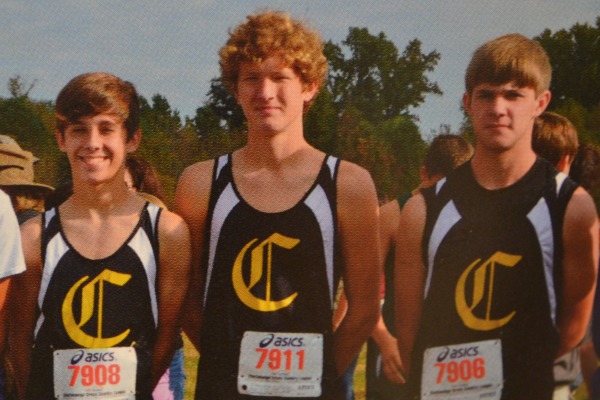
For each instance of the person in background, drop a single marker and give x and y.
(586, 171)
(384, 364)
(141, 177)
(17, 180)
(27, 199)
(555, 139)
(12, 263)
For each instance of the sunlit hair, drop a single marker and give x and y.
(274, 33)
(510, 58)
(554, 137)
(144, 177)
(97, 93)
(445, 153)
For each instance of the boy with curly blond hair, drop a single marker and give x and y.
(274, 227)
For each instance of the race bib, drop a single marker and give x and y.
(281, 364)
(468, 371)
(95, 373)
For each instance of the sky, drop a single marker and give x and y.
(171, 47)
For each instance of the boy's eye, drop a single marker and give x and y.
(513, 95)
(485, 95)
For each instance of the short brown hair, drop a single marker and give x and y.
(96, 93)
(274, 33)
(445, 153)
(554, 137)
(510, 58)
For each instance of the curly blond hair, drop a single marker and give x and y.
(274, 33)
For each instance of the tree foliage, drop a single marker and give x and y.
(575, 58)
(375, 78)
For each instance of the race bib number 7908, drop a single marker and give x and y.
(95, 373)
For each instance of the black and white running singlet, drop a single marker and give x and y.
(271, 279)
(493, 280)
(96, 304)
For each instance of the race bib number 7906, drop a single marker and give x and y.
(467, 371)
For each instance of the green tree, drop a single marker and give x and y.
(320, 123)
(575, 58)
(158, 117)
(220, 107)
(31, 124)
(375, 78)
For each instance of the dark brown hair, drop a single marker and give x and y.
(96, 93)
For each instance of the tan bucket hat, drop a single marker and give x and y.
(16, 165)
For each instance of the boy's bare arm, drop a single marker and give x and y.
(173, 279)
(580, 265)
(358, 222)
(23, 298)
(191, 203)
(389, 219)
(409, 276)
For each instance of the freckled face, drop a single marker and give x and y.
(272, 95)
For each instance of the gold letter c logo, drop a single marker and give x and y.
(88, 296)
(256, 271)
(479, 287)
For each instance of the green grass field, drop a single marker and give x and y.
(191, 361)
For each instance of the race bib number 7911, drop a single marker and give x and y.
(281, 364)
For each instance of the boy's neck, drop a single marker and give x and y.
(500, 170)
(103, 198)
(266, 150)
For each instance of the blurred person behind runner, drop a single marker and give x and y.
(555, 139)
(17, 179)
(142, 177)
(27, 199)
(586, 171)
(384, 362)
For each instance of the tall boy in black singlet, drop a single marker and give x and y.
(274, 226)
(106, 271)
(495, 264)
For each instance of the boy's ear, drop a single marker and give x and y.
(466, 100)
(60, 139)
(310, 90)
(134, 142)
(542, 102)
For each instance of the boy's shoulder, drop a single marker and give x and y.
(353, 177)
